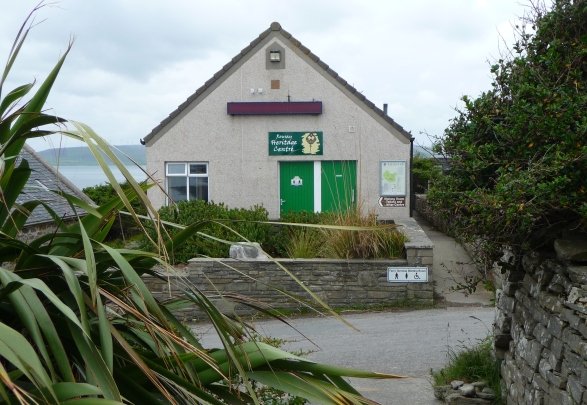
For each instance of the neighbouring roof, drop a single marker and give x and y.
(44, 178)
(276, 27)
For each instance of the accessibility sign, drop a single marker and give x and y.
(407, 274)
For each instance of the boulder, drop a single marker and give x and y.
(247, 251)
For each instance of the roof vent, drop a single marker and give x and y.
(275, 56)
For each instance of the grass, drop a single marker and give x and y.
(379, 243)
(472, 364)
(304, 243)
(357, 236)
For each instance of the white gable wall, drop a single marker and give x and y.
(241, 172)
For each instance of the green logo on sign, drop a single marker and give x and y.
(295, 143)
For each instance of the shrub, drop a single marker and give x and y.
(424, 171)
(125, 226)
(240, 220)
(518, 151)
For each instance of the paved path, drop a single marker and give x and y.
(408, 343)
(452, 265)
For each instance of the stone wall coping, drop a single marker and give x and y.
(417, 237)
(391, 262)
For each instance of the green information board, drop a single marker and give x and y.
(295, 143)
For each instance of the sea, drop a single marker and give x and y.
(92, 175)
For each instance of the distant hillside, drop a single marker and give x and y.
(81, 155)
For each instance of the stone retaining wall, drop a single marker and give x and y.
(339, 283)
(541, 331)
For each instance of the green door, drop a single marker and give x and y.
(296, 186)
(339, 185)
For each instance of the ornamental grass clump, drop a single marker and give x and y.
(348, 234)
(355, 235)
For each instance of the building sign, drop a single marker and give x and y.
(407, 274)
(295, 143)
(393, 178)
(392, 202)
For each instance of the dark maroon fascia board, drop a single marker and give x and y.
(275, 108)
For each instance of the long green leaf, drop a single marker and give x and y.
(26, 308)
(106, 344)
(12, 187)
(15, 349)
(134, 280)
(96, 369)
(90, 265)
(330, 370)
(34, 106)
(73, 284)
(92, 401)
(13, 97)
(308, 387)
(70, 390)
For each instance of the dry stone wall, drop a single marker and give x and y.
(541, 330)
(339, 283)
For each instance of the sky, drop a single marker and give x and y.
(134, 61)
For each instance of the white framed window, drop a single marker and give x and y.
(186, 181)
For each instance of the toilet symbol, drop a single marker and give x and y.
(296, 181)
(416, 276)
(396, 275)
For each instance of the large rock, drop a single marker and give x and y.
(573, 250)
(247, 251)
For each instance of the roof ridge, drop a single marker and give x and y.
(276, 27)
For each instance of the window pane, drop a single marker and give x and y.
(198, 188)
(177, 189)
(175, 168)
(198, 168)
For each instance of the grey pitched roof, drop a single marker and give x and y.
(44, 178)
(276, 27)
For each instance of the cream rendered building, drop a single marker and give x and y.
(278, 127)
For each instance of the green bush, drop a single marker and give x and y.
(242, 221)
(425, 171)
(518, 151)
(124, 227)
(102, 193)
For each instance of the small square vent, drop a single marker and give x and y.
(275, 56)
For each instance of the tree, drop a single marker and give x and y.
(518, 151)
(77, 323)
